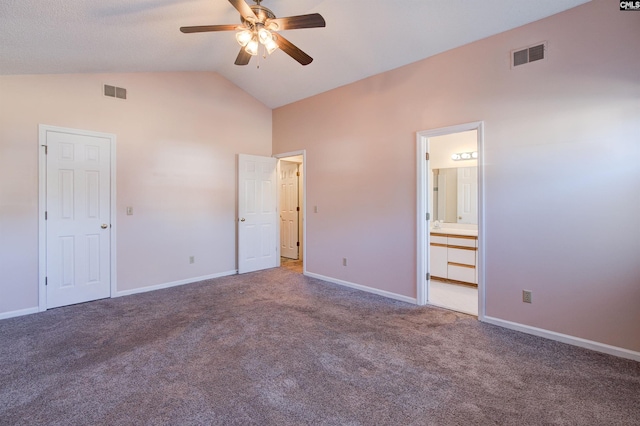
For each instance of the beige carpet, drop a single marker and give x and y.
(277, 348)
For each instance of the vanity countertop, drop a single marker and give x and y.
(455, 231)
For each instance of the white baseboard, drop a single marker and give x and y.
(565, 338)
(173, 284)
(19, 313)
(379, 292)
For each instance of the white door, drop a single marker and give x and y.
(257, 213)
(78, 209)
(468, 195)
(289, 210)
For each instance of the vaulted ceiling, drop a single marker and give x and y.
(362, 38)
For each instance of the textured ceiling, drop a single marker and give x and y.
(362, 38)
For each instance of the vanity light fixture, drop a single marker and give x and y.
(465, 156)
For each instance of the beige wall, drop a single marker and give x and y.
(177, 139)
(562, 182)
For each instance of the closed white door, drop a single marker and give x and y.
(257, 213)
(468, 195)
(78, 209)
(289, 210)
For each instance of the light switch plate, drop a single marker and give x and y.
(129, 211)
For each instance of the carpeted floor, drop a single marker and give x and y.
(277, 348)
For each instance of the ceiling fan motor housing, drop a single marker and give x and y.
(261, 12)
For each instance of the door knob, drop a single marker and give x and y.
(104, 226)
(242, 220)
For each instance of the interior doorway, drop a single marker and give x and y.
(450, 255)
(77, 216)
(291, 196)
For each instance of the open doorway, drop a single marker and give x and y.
(291, 179)
(449, 211)
(453, 233)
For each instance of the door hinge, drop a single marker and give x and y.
(298, 243)
(428, 276)
(298, 174)
(45, 281)
(297, 209)
(45, 215)
(46, 149)
(428, 216)
(427, 156)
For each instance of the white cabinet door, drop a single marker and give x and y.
(258, 213)
(438, 261)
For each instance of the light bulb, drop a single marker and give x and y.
(474, 154)
(466, 156)
(270, 46)
(264, 36)
(455, 157)
(244, 37)
(252, 47)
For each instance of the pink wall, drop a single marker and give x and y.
(177, 139)
(562, 182)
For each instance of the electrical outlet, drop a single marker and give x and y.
(344, 261)
(192, 259)
(315, 209)
(526, 296)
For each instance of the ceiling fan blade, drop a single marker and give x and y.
(207, 28)
(243, 57)
(291, 50)
(313, 20)
(244, 9)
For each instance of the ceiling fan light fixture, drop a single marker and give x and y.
(244, 37)
(252, 47)
(264, 35)
(271, 46)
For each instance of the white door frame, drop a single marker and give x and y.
(423, 203)
(42, 206)
(302, 152)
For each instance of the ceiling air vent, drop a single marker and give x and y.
(115, 92)
(528, 54)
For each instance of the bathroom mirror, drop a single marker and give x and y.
(455, 195)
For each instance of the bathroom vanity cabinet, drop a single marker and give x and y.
(454, 258)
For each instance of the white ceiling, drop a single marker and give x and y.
(362, 38)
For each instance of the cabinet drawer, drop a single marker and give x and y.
(467, 257)
(437, 239)
(462, 273)
(462, 242)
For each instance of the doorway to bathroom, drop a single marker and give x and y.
(450, 258)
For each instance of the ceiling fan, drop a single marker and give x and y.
(259, 27)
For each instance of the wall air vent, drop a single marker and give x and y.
(528, 54)
(115, 92)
